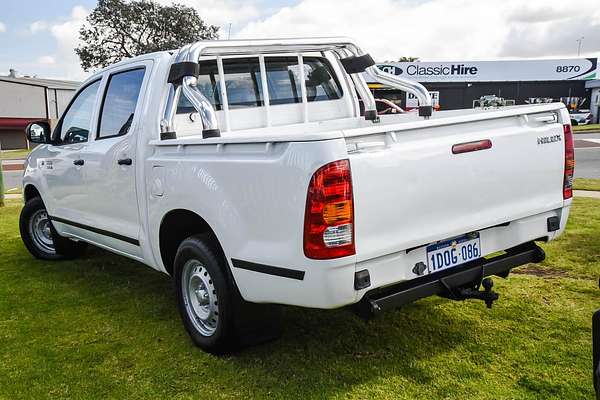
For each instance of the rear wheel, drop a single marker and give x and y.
(214, 314)
(40, 237)
(203, 295)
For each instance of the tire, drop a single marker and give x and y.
(213, 312)
(204, 295)
(40, 237)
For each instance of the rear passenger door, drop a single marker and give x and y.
(109, 175)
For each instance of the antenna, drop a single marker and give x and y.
(229, 32)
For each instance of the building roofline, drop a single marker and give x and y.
(45, 83)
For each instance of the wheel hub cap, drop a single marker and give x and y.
(200, 297)
(40, 232)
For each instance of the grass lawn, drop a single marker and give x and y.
(13, 190)
(586, 128)
(106, 327)
(14, 154)
(586, 184)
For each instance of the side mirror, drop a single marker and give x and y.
(38, 132)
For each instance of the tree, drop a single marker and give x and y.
(118, 29)
(408, 59)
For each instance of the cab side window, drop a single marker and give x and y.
(120, 101)
(77, 121)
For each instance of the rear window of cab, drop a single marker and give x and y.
(244, 84)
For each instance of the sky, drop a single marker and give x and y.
(37, 37)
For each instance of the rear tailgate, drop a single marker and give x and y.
(411, 190)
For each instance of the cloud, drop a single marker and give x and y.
(223, 12)
(64, 62)
(554, 36)
(66, 30)
(2, 27)
(38, 26)
(46, 60)
(442, 29)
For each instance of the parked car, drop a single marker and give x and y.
(245, 171)
(580, 117)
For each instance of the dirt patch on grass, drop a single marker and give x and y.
(535, 270)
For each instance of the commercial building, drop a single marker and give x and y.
(27, 99)
(461, 84)
(594, 88)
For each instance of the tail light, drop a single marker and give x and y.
(569, 163)
(329, 217)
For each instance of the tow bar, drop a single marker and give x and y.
(487, 295)
(459, 283)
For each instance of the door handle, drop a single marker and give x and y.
(79, 162)
(125, 161)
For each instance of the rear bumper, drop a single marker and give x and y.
(331, 284)
(443, 282)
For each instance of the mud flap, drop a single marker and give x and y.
(256, 323)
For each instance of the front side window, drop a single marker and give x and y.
(244, 84)
(120, 101)
(77, 121)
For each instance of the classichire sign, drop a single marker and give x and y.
(489, 71)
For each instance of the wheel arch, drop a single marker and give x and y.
(177, 225)
(30, 192)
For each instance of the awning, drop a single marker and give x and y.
(17, 123)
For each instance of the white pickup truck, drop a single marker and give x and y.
(246, 170)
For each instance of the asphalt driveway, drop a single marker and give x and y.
(587, 155)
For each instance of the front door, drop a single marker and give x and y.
(62, 164)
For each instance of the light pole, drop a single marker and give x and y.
(579, 41)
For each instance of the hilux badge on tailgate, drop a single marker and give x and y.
(548, 139)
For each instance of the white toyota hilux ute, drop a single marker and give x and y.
(247, 171)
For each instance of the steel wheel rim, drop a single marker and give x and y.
(200, 297)
(40, 231)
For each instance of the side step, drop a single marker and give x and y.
(450, 283)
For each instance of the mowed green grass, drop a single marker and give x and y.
(586, 184)
(106, 327)
(14, 154)
(586, 128)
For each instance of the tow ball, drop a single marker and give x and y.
(487, 294)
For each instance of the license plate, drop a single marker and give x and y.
(452, 252)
